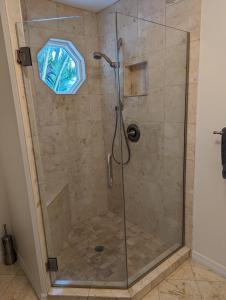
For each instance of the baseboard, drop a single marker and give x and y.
(31, 278)
(209, 263)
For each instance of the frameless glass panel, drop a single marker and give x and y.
(153, 60)
(80, 185)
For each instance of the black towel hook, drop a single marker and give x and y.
(222, 132)
(218, 132)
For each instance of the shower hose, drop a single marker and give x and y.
(118, 111)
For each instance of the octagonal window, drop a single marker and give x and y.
(61, 66)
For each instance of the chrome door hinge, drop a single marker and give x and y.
(24, 56)
(52, 265)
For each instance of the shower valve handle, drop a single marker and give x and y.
(132, 133)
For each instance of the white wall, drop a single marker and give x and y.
(12, 175)
(209, 245)
(4, 205)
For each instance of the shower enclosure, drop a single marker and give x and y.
(112, 204)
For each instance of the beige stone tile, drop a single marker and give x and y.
(127, 7)
(194, 62)
(156, 65)
(183, 6)
(170, 2)
(192, 103)
(191, 133)
(190, 151)
(153, 295)
(178, 290)
(9, 270)
(19, 289)
(212, 290)
(5, 281)
(175, 37)
(150, 6)
(152, 36)
(74, 25)
(189, 175)
(185, 15)
(175, 104)
(184, 272)
(41, 9)
(152, 10)
(176, 63)
(173, 139)
(96, 294)
(188, 236)
(204, 274)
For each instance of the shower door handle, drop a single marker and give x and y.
(110, 174)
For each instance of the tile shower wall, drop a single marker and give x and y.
(163, 117)
(69, 127)
(107, 44)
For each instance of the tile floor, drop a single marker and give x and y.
(190, 281)
(14, 284)
(79, 262)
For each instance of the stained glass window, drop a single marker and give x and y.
(61, 66)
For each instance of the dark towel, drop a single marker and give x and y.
(223, 152)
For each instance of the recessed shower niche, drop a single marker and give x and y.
(138, 220)
(136, 79)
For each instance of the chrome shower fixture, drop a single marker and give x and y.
(99, 55)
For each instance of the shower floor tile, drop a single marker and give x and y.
(80, 263)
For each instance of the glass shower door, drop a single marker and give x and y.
(153, 61)
(72, 129)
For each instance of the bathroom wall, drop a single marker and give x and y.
(69, 139)
(4, 205)
(161, 121)
(4, 209)
(209, 246)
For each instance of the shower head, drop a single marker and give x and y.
(99, 55)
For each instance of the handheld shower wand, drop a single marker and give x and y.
(99, 55)
(118, 109)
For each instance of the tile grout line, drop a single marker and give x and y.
(196, 282)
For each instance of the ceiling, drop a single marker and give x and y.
(93, 5)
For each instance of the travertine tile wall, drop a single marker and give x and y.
(69, 128)
(59, 221)
(107, 44)
(184, 15)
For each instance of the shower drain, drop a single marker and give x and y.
(99, 248)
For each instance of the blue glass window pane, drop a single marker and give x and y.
(61, 66)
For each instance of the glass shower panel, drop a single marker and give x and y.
(153, 71)
(72, 121)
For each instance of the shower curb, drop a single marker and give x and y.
(135, 292)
